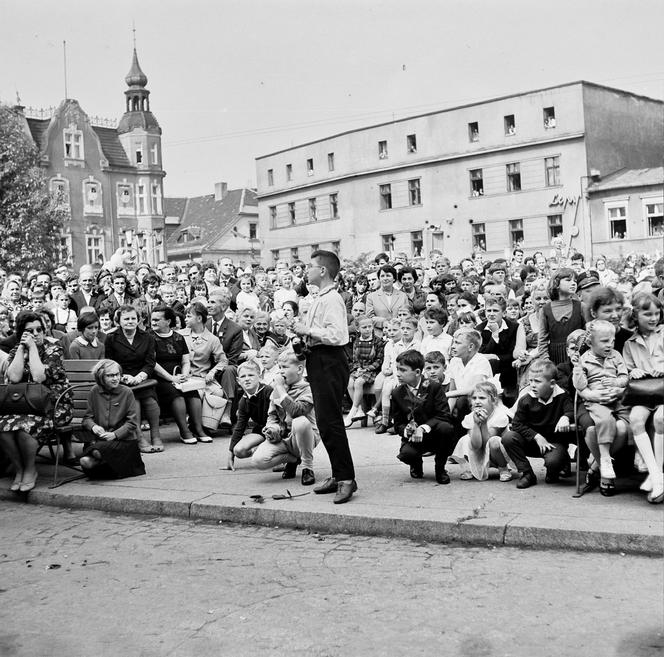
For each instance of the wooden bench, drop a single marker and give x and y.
(79, 375)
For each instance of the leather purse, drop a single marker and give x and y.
(25, 399)
(644, 392)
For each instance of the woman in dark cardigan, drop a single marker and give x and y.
(110, 421)
(134, 350)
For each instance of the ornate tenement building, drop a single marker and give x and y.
(110, 177)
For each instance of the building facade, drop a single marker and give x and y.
(489, 176)
(109, 177)
(627, 212)
(223, 224)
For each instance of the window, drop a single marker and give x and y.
(510, 125)
(140, 199)
(291, 212)
(65, 247)
(125, 204)
(154, 154)
(314, 248)
(312, 209)
(310, 167)
(273, 216)
(655, 217)
(516, 232)
(476, 182)
(94, 248)
(382, 150)
(387, 242)
(414, 192)
(138, 151)
(92, 197)
(73, 144)
(555, 222)
(549, 117)
(289, 172)
(416, 243)
(385, 197)
(60, 190)
(336, 247)
(411, 143)
(473, 131)
(295, 253)
(330, 161)
(552, 171)
(334, 206)
(253, 231)
(617, 222)
(513, 177)
(155, 197)
(270, 177)
(275, 256)
(479, 236)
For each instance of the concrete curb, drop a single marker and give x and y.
(510, 530)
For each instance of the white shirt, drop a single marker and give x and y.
(477, 369)
(442, 343)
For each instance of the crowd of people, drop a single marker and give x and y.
(483, 364)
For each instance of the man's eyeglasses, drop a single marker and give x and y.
(34, 331)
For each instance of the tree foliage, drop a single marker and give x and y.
(31, 221)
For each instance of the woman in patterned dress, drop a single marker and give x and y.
(33, 358)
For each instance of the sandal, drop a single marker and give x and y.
(592, 481)
(607, 488)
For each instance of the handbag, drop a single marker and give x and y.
(192, 383)
(648, 392)
(214, 405)
(28, 398)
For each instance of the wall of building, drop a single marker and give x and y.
(623, 131)
(636, 238)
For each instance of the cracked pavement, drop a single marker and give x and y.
(88, 583)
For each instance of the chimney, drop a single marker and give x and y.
(220, 190)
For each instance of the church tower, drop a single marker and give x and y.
(140, 136)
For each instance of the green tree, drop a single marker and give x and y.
(31, 220)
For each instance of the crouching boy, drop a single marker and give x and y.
(541, 425)
(291, 431)
(421, 417)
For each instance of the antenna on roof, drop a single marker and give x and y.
(64, 54)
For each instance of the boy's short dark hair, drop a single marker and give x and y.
(527, 269)
(469, 297)
(435, 357)
(407, 270)
(437, 314)
(329, 260)
(411, 358)
(578, 256)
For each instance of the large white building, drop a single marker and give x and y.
(489, 175)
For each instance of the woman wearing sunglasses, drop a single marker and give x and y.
(32, 359)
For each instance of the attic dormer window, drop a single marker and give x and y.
(73, 140)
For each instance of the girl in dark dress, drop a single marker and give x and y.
(172, 354)
(560, 316)
(110, 422)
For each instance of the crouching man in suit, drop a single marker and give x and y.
(421, 417)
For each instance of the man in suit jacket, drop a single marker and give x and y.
(230, 335)
(86, 295)
(421, 417)
(498, 344)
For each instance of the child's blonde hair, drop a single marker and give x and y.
(488, 388)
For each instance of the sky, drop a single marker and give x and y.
(231, 80)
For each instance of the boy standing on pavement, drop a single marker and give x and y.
(326, 332)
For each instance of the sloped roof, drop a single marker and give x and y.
(174, 207)
(111, 146)
(213, 218)
(630, 178)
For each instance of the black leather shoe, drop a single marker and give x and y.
(416, 471)
(552, 477)
(380, 428)
(345, 491)
(442, 477)
(290, 470)
(526, 480)
(308, 477)
(328, 486)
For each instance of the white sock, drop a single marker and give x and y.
(643, 444)
(658, 445)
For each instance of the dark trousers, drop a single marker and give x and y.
(327, 373)
(518, 449)
(440, 442)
